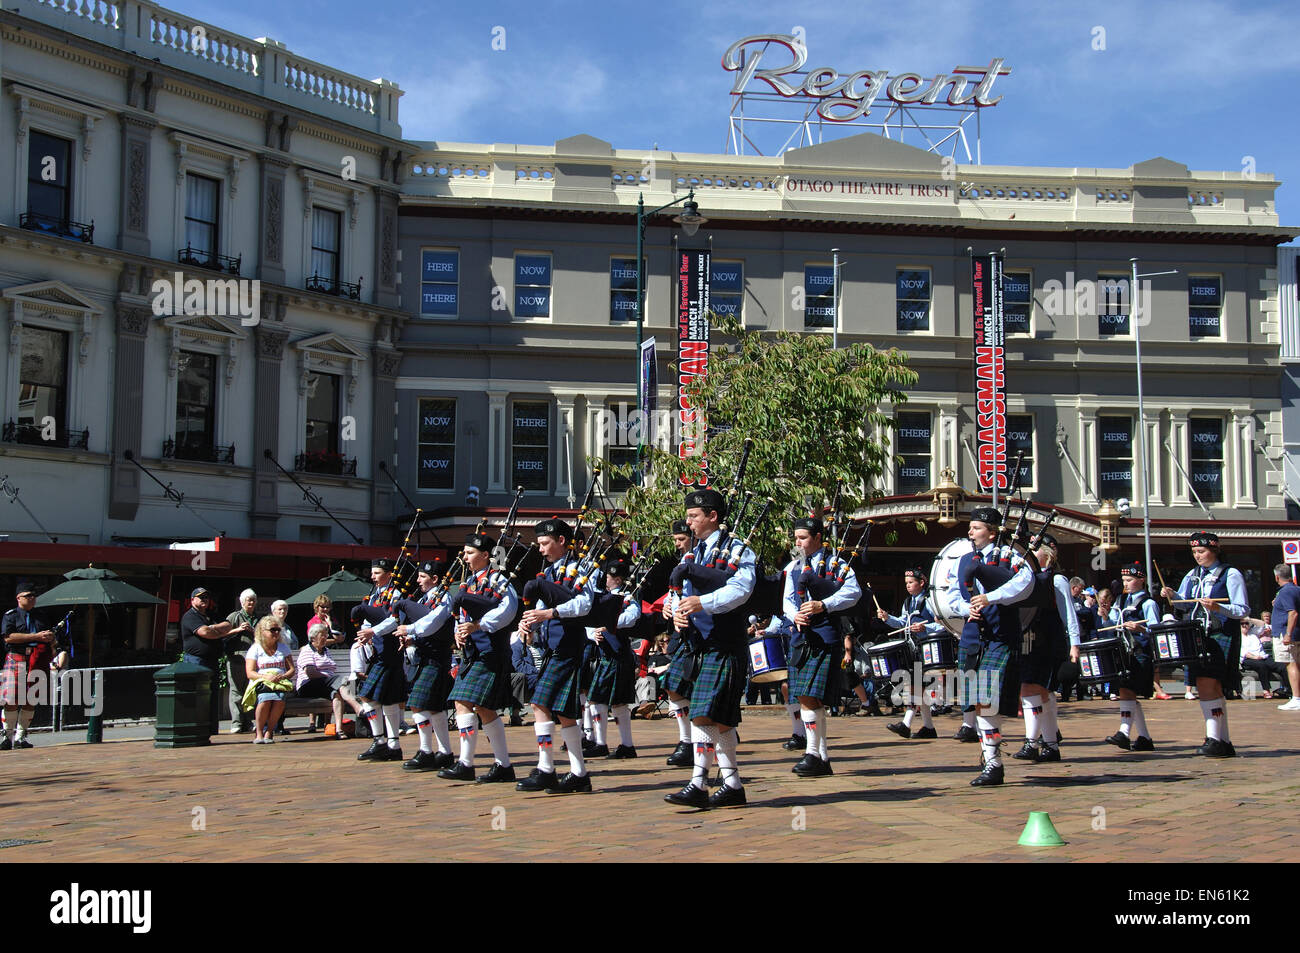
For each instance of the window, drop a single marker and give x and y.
(49, 177)
(195, 405)
(1017, 301)
(1205, 307)
(1116, 443)
(440, 283)
(322, 413)
(1206, 470)
(727, 288)
(530, 444)
(1020, 437)
(1112, 305)
(818, 296)
(325, 224)
(622, 289)
(532, 286)
(202, 233)
(913, 435)
(621, 449)
(43, 378)
(912, 294)
(437, 444)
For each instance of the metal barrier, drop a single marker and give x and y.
(124, 697)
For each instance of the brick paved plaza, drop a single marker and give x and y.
(889, 799)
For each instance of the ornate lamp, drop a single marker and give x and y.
(1109, 518)
(948, 496)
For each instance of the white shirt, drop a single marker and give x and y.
(1010, 591)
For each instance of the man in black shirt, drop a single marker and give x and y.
(202, 642)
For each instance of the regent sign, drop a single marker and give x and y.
(846, 98)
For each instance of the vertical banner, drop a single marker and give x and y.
(990, 374)
(649, 392)
(692, 348)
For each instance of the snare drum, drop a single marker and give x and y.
(937, 651)
(767, 660)
(889, 657)
(1179, 643)
(1104, 660)
(943, 577)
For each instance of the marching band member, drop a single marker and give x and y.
(1048, 648)
(612, 685)
(383, 691)
(483, 678)
(915, 618)
(677, 681)
(992, 670)
(719, 621)
(1220, 595)
(1137, 611)
(563, 638)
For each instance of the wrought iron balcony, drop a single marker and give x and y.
(206, 259)
(32, 434)
(332, 286)
(321, 461)
(63, 227)
(203, 453)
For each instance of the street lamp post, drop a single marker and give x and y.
(690, 219)
(1142, 423)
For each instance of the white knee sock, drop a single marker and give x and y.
(439, 719)
(796, 721)
(375, 718)
(927, 720)
(11, 719)
(908, 716)
(586, 716)
(623, 715)
(496, 735)
(424, 725)
(706, 741)
(990, 729)
(812, 728)
(1126, 718)
(726, 752)
(682, 712)
(25, 716)
(1047, 721)
(600, 722)
(468, 737)
(544, 730)
(823, 732)
(393, 720)
(573, 738)
(968, 718)
(1139, 722)
(1216, 718)
(1033, 709)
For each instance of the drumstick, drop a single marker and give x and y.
(1159, 574)
(876, 601)
(1199, 600)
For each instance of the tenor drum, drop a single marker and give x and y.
(767, 660)
(938, 651)
(943, 577)
(1183, 642)
(889, 657)
(1104, 660)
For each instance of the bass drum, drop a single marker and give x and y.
(943, 577)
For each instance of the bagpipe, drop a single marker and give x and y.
(837, 563)
(402, 584)
(583, 559)
(490, 585)
(42, 653)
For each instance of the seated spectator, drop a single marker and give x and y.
(318, 676)
(270, 670)
(523, 674)
(648, 688)
(1255, 657)
(280, 611)
(322, 606)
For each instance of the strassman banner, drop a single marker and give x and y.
(990, 373)
(692, 347)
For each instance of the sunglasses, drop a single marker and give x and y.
(273, 628)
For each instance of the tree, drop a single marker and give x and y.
(812, 413)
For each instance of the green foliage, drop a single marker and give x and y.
(812, 412)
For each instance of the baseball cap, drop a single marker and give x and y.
(200, 591)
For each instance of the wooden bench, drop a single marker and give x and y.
(295, 706)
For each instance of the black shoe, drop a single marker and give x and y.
(1142, 744)
(1058, 738)
(682, 756)
(375, 752)
(623, 751)
(1120, 740)
(1205, 746)
(515, 720)
(796, 743)
(804, 763)
(457, 772)
(423, 761)
(923, 733)
(690, 796)
(1029, 752)
(388, 754)
(900, 729)
(6, 745)
(498, 772)
(727, 797)
(538, 780)
(596, 751)
(444, 759)
(1048, 755)
(992, 774)
(816, 768)
(1215, 749)
(572, 784)
(967, 733)
(22, 743)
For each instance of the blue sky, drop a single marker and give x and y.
(1208, 84)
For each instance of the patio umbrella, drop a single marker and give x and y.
(94, 587)
(342, 586)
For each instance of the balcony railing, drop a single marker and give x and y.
(317, 461)
(332, 286)
(205, 453)
(63, 227)
(33, 434)
(206, 259)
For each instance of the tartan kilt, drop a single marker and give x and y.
(557, 688)
(681, 671)
(384, 684)
(15, 673)
(720, 686)
(819, 677)
(483, 682)
(1216, 666)
(1038, 665)
(614, 682)
(1141, 679)
(431, 685)
(590, 663)
(995, 680)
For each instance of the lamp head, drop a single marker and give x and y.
(690, 219)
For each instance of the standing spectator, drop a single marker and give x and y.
(269, 662)
(322, 607)
(236, 649)
(1286, 629)
(29, 654)
(202, 642)
(318, 676)
(280, 612)
(1254, 658)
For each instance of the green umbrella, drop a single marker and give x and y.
(95, 587)
(342, 586)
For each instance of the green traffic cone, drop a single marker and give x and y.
(1039, 832)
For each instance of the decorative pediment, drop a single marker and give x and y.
(331, 354)
(52, 296)
(203, 332)
(330, 347)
